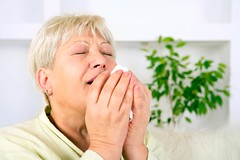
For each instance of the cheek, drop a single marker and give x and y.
(111, 65)
(67, 86)
(68, 75)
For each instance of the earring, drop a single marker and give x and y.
(47, 93)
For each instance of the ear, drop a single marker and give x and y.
(43, 79)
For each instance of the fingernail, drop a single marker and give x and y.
(119, 71)
(126, 74)
(133, 80)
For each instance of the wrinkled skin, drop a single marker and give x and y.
(91, 106)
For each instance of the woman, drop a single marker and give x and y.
(87, 116)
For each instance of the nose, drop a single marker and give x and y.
(98, 61)
(99, 66)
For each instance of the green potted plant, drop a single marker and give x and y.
(188, 87)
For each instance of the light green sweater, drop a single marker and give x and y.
(39, 139)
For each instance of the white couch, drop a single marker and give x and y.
(208, 144)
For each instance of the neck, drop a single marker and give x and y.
(73, 128)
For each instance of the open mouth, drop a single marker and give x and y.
(89, 82)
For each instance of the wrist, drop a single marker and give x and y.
(106, 151)
(139, 152)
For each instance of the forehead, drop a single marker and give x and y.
(85, 37)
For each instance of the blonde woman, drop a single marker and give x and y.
(87, 116)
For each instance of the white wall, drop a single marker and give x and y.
(208, 26)
(235, 65)
(18, 97)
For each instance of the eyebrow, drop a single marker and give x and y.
(80, 42)
(104, 42)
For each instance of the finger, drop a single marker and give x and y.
(138, 90)
(126, 106)
(108, 88)
(141, 102)
(96, 87)
(138, 93)
(142, 98)
(148, 94)
(120, 91)
(144, 90)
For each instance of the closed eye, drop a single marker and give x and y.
(107, 54)
(81, 53)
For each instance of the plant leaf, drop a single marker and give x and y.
(169, 120)
(222, 70)
(222, 65)
(207, 64)
(202, 108)
(159, 122)
(218, 74)
(180, 43)
(159, 39)
(188, 120)
(169, 46)
(168, 39)
(160, 69)
(226, 93)
(219, 100)
(145, 50)
(185, 58)
(154, 52)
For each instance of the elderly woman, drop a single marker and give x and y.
(87, 116)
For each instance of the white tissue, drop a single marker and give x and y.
(130, 116)
(119, 67)
(124, 69)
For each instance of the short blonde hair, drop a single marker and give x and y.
(58, 30)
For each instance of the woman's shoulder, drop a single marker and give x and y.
(25, 140)
(27, 128)
(18, 131)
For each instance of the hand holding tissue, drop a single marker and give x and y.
(124, 69)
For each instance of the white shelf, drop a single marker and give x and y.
(212, 32)
(124, 21)
(209, 32)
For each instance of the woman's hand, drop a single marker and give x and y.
(134, 147)
(110, 99)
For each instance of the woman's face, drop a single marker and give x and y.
(77, 63)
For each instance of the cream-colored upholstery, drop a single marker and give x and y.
(215, 144)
